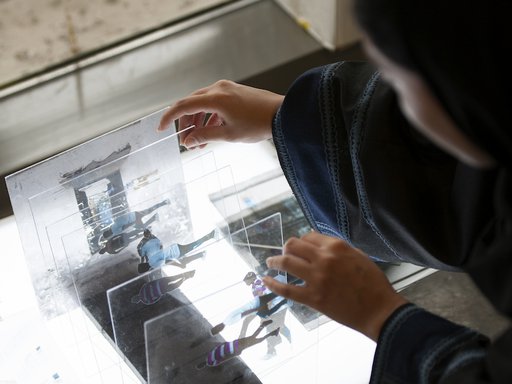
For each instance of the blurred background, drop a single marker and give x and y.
(71, 70)
(41, 35)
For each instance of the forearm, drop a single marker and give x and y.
(416, 346)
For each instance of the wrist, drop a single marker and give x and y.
(276, 101)
(376, 321)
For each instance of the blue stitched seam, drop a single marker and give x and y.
(331, 148)
(326, 229)
(290, 171)
(355, 142)
(463, 359)
(436, 353)
(396, 322)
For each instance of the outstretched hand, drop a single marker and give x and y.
(340, 281)
(224, 111)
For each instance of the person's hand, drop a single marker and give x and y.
(224, 111)
(340, 281)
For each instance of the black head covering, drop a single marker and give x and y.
(458, 48)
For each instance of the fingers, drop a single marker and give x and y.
(202, 91)
(312, 245)
(314, 238)
(196, 103)
(292, 292)
(300, 248)
(185, 122)
(236, 114)
(200, 137)
(199, 118)
(192, 138)
(293, 264)
(168, 117)
(214, 119)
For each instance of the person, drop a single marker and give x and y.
(152, 291)
(230, 349)
(278, 317)
(133, 220)
(153, 255)
(117, 243)
(264, 306)
(258, 288)
(276, 305)
(407, 158)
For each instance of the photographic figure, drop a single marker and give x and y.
(263, 306)
(131, 219)
(126, 228)
(154, 255)
(278, 317)
(230, 349)
(117, 243)
(152, 291)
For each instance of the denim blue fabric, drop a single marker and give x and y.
(416, 346)
(320, 153)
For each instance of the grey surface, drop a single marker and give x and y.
(454, 296)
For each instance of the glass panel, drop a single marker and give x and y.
(183, 246)
(259, 241)
(105, 208)
(49, 206)
(186, 345)
(92, 194)
(241, 331)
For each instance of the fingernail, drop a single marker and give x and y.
(160, 128)
(269, 262)
(191, 142)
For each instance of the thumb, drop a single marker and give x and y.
(205, 135)
(193, 141)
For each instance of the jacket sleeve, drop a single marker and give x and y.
(416, 346)
(361, 173)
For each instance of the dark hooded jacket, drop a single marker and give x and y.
(361, 173)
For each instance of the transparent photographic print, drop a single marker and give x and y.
(253, 345)
(111, 230)
(83, 345)
(104, 160)
(165, 252)
(122, 224)
(35, 191)
(177, 347)
(258, 241)
(142, 298)
(240, 331)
